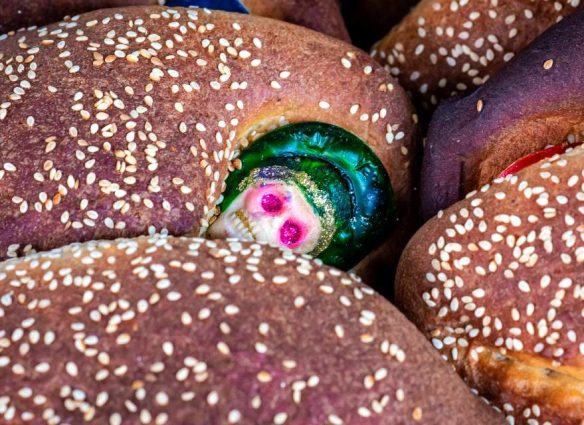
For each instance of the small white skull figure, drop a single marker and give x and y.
(274, 212)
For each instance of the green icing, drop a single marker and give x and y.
(343, 167)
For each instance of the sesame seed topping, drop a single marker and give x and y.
(480, 105)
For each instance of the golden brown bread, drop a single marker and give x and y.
(495, 282)
(187, 331)
(105, 138)
(319, 15)
(518, 379)
(446, 47)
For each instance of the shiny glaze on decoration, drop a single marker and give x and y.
(313, 188)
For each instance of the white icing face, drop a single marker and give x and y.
(272, 212)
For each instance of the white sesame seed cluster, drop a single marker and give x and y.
(447, 47)
(17, 14)
(124, 121)
(496, 282)
(532, 103)
(162, 330)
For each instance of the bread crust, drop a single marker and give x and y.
(193, 331)
(443, 48)
(322, 15)
(535, 101)
(100, 146)
(15, 14)
(495, 281)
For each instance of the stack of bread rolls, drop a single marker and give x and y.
(533, 103)
(444, 47)
(193, 191)
(495, 281)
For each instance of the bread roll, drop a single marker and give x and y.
(495, 281)
(171, 331)
(16, 14)
(321, 15)
(535, 101)
(129, 120)
(446, 47)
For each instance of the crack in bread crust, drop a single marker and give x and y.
(532, 380)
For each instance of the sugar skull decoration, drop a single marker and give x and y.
(312, 188)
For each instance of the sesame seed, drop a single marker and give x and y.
(480, 105)
(548, 64)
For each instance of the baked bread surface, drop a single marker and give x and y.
(495, 281)
(535, 101)
(126, 120)
(168, 330)
(321, 15)
(444, 48)
(16, 14)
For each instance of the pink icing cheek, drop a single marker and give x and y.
(264, 200)
(292, 234)
(271, 203)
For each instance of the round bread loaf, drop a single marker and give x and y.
(321, 15)
(535, 101)
(128, 119)
(163, 330)
(446, 47)
(16, 14)
(495, 282)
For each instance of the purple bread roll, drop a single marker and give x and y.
(322, 15)
(16, 14)
(127, 119)
(445, 48)
(535, 101)
(166, 330)
(495, 281)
